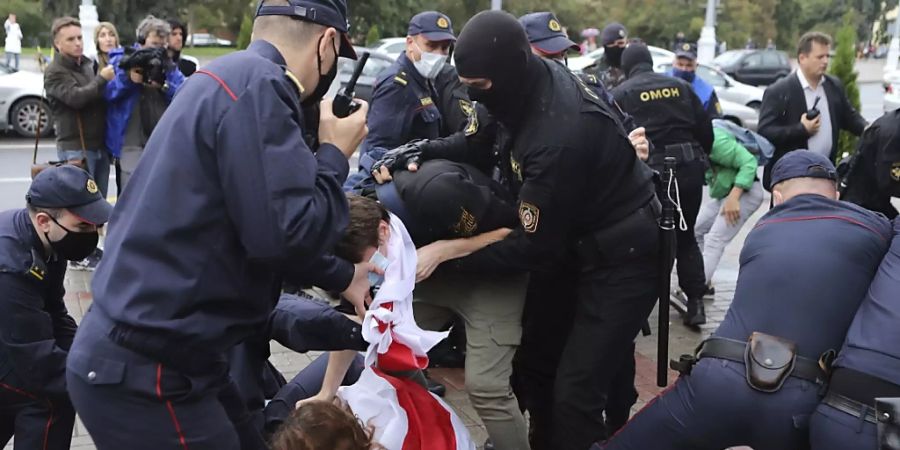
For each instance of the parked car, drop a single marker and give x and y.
(727, 88)
(206, 40)
(392, 47)
(892, 91)
(756, 67)
(744, 116)
(377, 62)
(580, 63)
(21, 103)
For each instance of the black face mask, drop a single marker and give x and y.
(325, 80)
(613, 56)
(74, 246)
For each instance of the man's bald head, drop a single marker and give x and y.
(793, 187)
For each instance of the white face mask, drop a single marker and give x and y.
(430, 64)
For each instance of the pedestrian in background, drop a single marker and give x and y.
(13, 47)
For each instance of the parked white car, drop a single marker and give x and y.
(727, 88)
(580, 63)
(392, 47)
(206, 40)
(21, 106)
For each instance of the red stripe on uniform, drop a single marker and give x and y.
(806, 218)
(169, 406)
(34, 397)
(221, 83)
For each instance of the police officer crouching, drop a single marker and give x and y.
(805, 268)
(64, 210)
(678, 126)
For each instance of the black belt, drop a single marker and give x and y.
(854, 392)
(683, 153)
(732, 350)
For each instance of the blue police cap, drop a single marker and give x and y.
(612, 33)
(545, 33)
(803, 164)
(686, 50)
(433, 25)
(71, 188)
(330, 13)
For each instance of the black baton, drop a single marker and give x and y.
(666, 258)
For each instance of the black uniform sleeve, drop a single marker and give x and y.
(853, 121)
(703, 131)
(64, 326)
(772, 116)
(548, 198)
(473, 145)
(27, 333)
(304, 325)
(713, 107)
(285, 201)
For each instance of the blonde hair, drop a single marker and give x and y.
(104, 57)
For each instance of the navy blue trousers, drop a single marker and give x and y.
(831, 429)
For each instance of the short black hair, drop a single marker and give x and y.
(804, 45)
(177, 23)
(55, 213)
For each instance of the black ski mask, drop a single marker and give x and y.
(325, 79)
(636, 59)
(493, 45)
(613, 55)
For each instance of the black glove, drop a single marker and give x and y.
(401, 157)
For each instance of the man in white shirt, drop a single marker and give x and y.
(13, 41)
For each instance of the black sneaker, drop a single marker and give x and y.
(710, 292)
(695, 314)
(88, 264)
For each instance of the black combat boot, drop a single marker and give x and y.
(696, 313)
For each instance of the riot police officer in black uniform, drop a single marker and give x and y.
(874, 171)
(564, 212)
(679, 126)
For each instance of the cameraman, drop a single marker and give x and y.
(145, 82)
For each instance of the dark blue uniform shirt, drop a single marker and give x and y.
(36, 330)
(403, 108)
(804, 269)
(873, 342)
(226, 201)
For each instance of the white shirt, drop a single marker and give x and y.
(821, 141)
(13, 37)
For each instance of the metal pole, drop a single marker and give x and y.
(666, 258)
(496, 5)
(706, 46)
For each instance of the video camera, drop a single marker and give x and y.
(153, 63)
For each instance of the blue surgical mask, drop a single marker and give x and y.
(684, 75)
(381, 262)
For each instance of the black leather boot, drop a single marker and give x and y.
(696, 313)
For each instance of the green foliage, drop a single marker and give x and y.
(373, 35)
(842, 68)
(243, 39)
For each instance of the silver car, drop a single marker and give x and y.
(727, 88)
(21, 105)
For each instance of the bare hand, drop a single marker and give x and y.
(320, 397)
(136, 76)
(731, 210)
(346, 134)
(358, 291)
(429, 258)
(638, 138)
(812, 126)
(108, 73)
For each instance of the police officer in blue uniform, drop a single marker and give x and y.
(64, 210)
(404, 105)
(678, 126)
(805, 268)
(226, 202)
(685, 67)
(867, 368)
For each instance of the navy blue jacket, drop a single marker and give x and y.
(226, 202)
(36, 330)
(804, 269)
(403, 107)
(873, 342)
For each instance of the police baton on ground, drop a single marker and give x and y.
(666, 256)
(343, 104)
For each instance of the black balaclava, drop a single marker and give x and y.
(493, 45)
(636, 59)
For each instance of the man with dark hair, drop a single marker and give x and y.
(64, 210)
(805, 268)
(228, 201)
(808, 108)
(187, 65)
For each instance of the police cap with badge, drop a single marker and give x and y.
(69, 187)
(433, 25)
(687, 51)
(545, 33)
(803, 164)
(329, 13)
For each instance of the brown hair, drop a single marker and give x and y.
(804, 45)
(103, 57)
(323, 426)
(362, 232)
(61, 23)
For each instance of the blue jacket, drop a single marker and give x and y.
(121, 94)
(707, 95)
